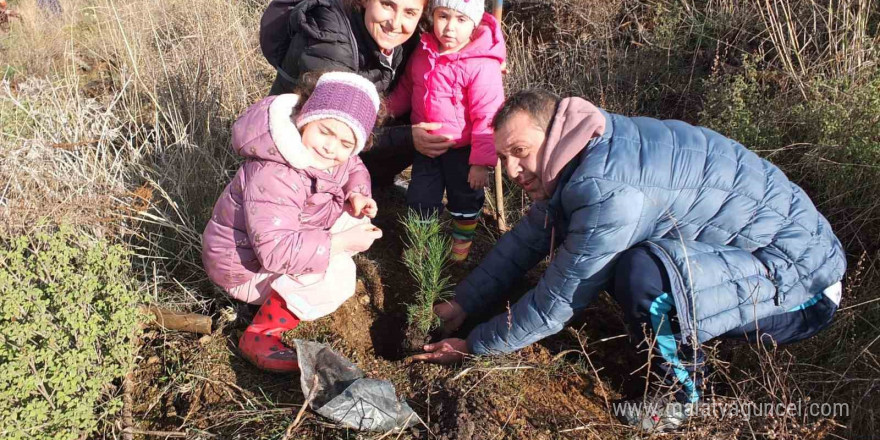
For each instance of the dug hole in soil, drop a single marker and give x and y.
(201, 386)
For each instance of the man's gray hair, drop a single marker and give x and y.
(539, 104)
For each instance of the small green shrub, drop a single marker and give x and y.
(742, 107)
(848, 116)
(838, 114)
(8, 72)
(426, 255)
(68, 317)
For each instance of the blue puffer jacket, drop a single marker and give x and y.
(739, 240)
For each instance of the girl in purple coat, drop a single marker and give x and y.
(284, 230)
(454, 78)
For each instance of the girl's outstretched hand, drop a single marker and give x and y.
(361, 205)
(355, 239)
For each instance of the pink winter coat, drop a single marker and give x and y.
(462, 90)
(277, 211)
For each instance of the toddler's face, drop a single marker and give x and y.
(330, 142)
(452, 29)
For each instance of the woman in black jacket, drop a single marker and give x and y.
(370, 37)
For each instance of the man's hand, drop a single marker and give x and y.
(447, 351)
(478, 176)
(362, 205)
(430, 145)
(451, 315)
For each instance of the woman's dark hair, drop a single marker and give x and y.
(358, 5)
(539, 104)
(352, 5)
(305, 85)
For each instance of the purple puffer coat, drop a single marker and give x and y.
(277, 212)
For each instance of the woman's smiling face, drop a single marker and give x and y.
(392, 22)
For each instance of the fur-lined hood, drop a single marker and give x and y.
(267, 132)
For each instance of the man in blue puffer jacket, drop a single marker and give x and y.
(695, 236)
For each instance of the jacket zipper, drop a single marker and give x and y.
(687, 326)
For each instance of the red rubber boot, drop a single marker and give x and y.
(261, 342)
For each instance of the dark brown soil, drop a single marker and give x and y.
(414, 339)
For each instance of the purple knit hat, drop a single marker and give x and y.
(346, 97)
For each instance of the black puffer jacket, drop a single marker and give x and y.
(324, 36)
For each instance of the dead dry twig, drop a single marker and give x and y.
(290, 429)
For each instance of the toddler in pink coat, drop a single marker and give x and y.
(454, 78)
(284, 230)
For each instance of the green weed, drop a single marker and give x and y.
(68, 320)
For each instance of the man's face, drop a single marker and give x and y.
(518, 143)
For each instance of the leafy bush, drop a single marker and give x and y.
(741, 106)
(754, 108)
(68, 317)
(848, 116)
(426, 255)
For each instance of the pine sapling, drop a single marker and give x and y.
(426, 256)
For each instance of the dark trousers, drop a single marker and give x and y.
(641, 287)
(391, 152)
(449, 172)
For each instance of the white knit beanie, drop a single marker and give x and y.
(472, 8)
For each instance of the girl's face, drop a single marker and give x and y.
(330, 142)
(392, 22)
(452, 29)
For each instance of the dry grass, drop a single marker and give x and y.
(58, 155)
(126, 101)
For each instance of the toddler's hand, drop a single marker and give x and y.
(478, 176)
(356, 239)
(362, 205)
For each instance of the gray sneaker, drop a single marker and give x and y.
(653, 415)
